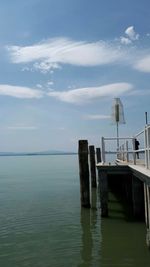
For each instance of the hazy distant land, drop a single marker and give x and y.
(51, 152)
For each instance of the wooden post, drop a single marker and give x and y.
(103, 186)
(84, 173)
(92, 166)
(98, 154)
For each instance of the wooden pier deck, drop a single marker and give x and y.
(139, 170)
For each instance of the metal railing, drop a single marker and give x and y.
(127, 147)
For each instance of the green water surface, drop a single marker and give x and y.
(42, 224)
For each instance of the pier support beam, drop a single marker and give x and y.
(146, 205)
(137, 198)
(92, 166)
(84, 173)
(148, 216)
(103, 188)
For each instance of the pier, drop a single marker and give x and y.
(129, 175)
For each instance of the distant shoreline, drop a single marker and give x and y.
(36, 154)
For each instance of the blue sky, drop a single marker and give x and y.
(61, 64)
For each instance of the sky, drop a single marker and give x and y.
(62, 62)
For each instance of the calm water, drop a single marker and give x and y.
(42, 225)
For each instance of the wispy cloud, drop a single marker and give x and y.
(85, 95)
(52, 53)
(21, 127)
(96, 117)
(143, 64)
(19, 91)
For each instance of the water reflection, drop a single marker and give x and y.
(87, 244)
(123, 240)
(112, 241)
(90, 224)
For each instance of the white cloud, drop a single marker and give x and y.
(50, 83)
(50, 54)
(143, 64)
(97, 117)
(125, 40)
(19, 91)
(85, 95)
(131, 34)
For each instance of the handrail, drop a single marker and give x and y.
(124, 150)
(139, 133)
(115, 138)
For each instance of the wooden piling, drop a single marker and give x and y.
(98, 154)
(84, 173)
(92, 166)
(103, 187)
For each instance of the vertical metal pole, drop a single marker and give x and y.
(148, 146)
(123, 156)
(146, 118)
(134, 154)
(127, 154)
(103, 150)
(117, 138)
(145, 146)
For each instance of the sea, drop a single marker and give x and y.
(43, 225)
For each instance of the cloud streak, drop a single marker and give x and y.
(75, 96)
(88, 94)
(16, 128)
(97, 117)
(19, 91)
